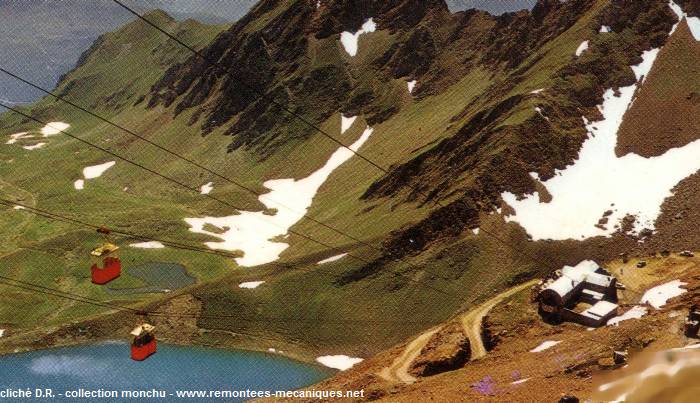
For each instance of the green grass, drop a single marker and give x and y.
(359, 318)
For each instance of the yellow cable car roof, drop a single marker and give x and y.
(141, 329)
(104, 249)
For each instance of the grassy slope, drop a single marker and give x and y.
(152, 206)
(131, 59)
(469, 276)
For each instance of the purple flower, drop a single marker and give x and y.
(485, 386)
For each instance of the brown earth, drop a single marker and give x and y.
(665, 111)
(574, 366)
(676, 227)
(447, 350)
(466, 173)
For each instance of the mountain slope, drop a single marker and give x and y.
(668, 101)
(496, 108)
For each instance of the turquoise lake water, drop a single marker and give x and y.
(107, 366)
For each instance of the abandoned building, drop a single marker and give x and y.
(585, 294)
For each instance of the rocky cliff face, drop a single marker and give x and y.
(466, 173)
(285, 58)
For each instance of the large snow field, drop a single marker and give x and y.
(48, 130)
(599, 183)
(252, 231)
(96, 171)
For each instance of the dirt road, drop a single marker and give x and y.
(471, 324)
(398, 370)
(471, 321)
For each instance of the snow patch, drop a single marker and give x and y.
(92, 172)
(148, 245)
(252, 232)
(34, 146)
(475, 231)
(693, 22)
(411, 86)
(537, 91)
(96, 171)
(332, 258)
(519, 381)
(250, 284)
(53, 128)
(635, 312)
(349, 40)
(599, 181)
(657, 296)
(605, 29)
(14, 137)
(341, 362)
(19, 208)
(206, 188)
(346, 123)
(581, 48)
(2, 332)
(539, 110)
(642, 69)
(545, 345)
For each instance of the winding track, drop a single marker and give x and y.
(471, 321)
(398, 370)
(471, 325)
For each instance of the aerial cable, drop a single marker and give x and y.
(131, 235)
(8, 281)
(221, 201)
(193, 189)
(231, 73)
(190, 161)
(43, 213)
(248, 87)
(37, 288)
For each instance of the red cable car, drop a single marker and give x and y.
(107, 253)
(144, 343)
